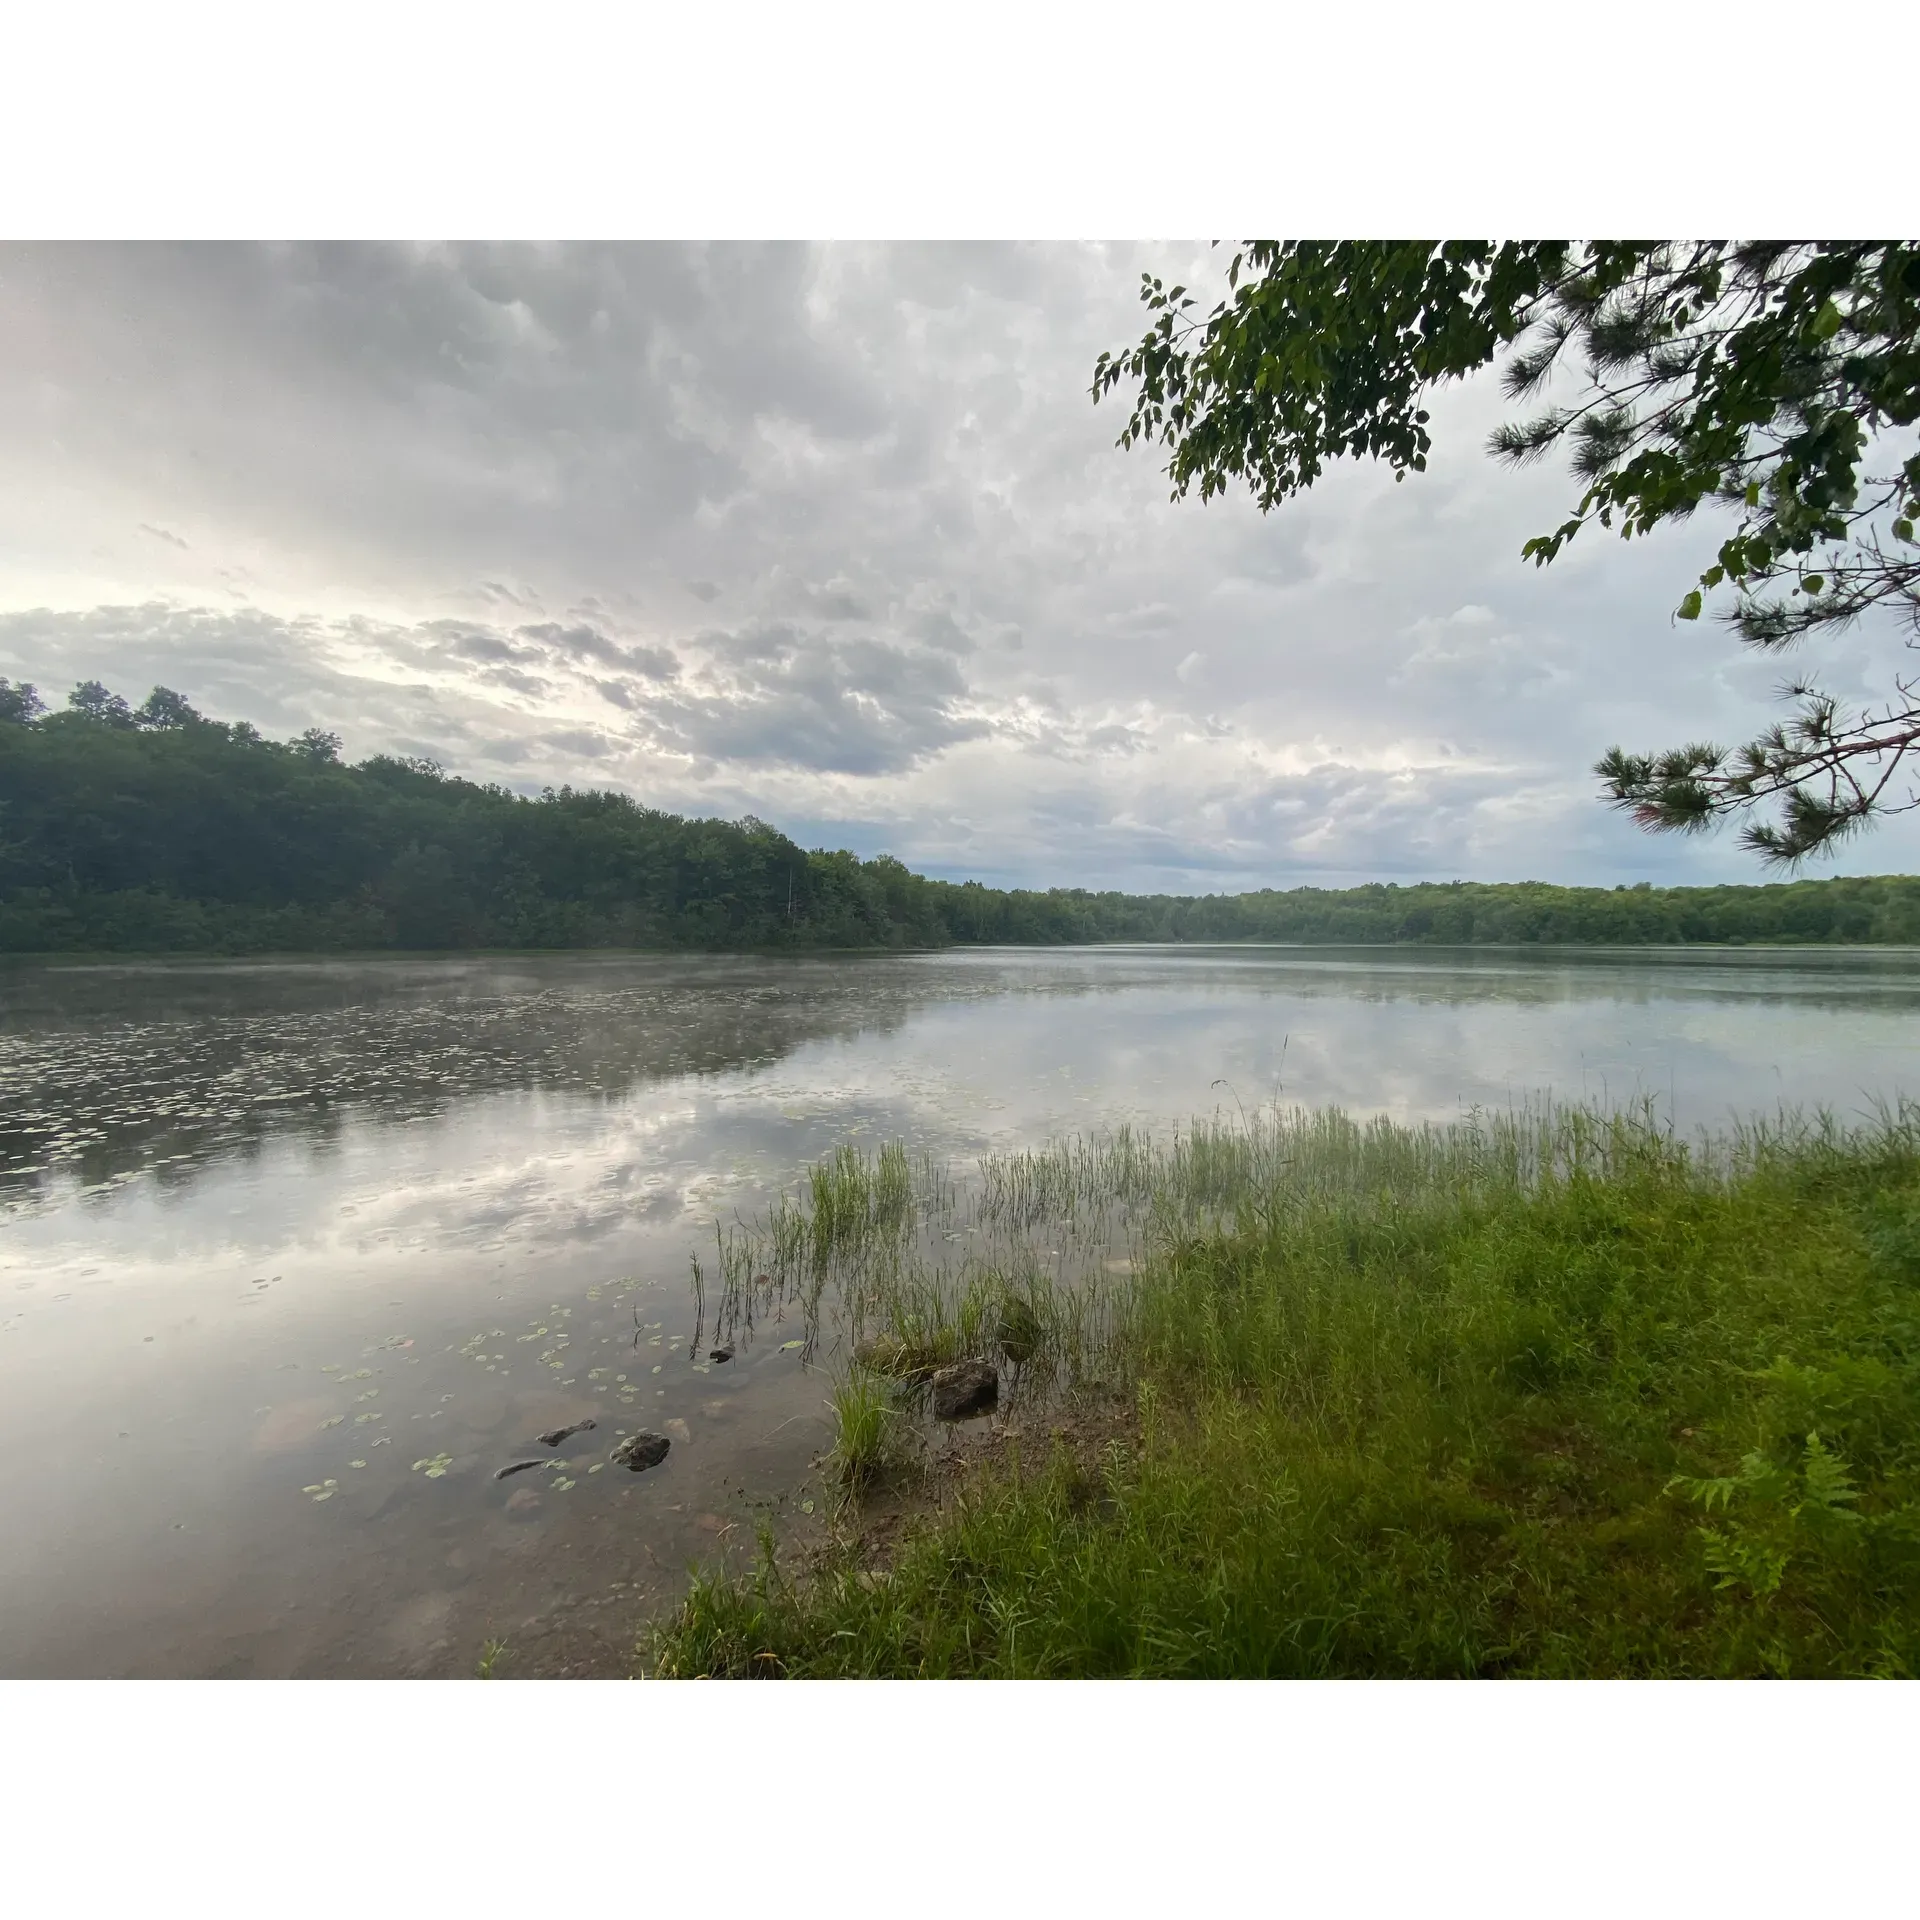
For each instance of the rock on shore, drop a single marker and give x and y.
(961, 1391)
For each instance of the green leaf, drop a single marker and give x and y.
(1689, 608)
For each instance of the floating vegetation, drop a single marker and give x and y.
(434, 1466)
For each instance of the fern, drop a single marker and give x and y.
(1806, 1509)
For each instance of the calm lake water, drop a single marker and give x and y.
(294, 1255)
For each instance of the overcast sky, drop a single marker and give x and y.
(837, 537)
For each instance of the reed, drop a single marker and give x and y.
(864, 1423)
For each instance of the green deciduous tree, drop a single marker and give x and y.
(165, 708)
(1779, 381)
(91, 701)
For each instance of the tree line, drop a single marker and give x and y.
(157, 829)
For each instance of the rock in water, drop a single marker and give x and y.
(518, 1466)
(557, 1436)
(721, 1354)
(959, 1392)
(640, 1451)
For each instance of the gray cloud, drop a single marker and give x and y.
(586, 643)
(832, 705)
(487, 503)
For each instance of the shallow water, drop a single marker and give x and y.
(294, 1255)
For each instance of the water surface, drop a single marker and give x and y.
(293, 1255)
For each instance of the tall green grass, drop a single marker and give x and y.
(864, 1423)
(1550, 1393)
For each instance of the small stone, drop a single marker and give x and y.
(518, 1466)
(960, 1392)
(640, 1451)
(557, 1436)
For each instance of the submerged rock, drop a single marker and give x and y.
(640, 1451)
(523, 1500)
(556, 1436)
(961, 1391)
(721, 1354)
(517, 1466)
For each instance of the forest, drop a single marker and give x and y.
(157, 829)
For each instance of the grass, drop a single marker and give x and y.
(1559, 1394)
(863, 1418)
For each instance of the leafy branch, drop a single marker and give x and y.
(1752, 376)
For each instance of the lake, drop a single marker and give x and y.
(294, 1255)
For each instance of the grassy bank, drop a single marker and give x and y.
(1559, 1395)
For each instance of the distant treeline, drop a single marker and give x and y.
(154, 829)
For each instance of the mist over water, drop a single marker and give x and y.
(293, 1255)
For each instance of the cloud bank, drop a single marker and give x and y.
(834, 536)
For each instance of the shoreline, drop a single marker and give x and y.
(1622, 1411)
